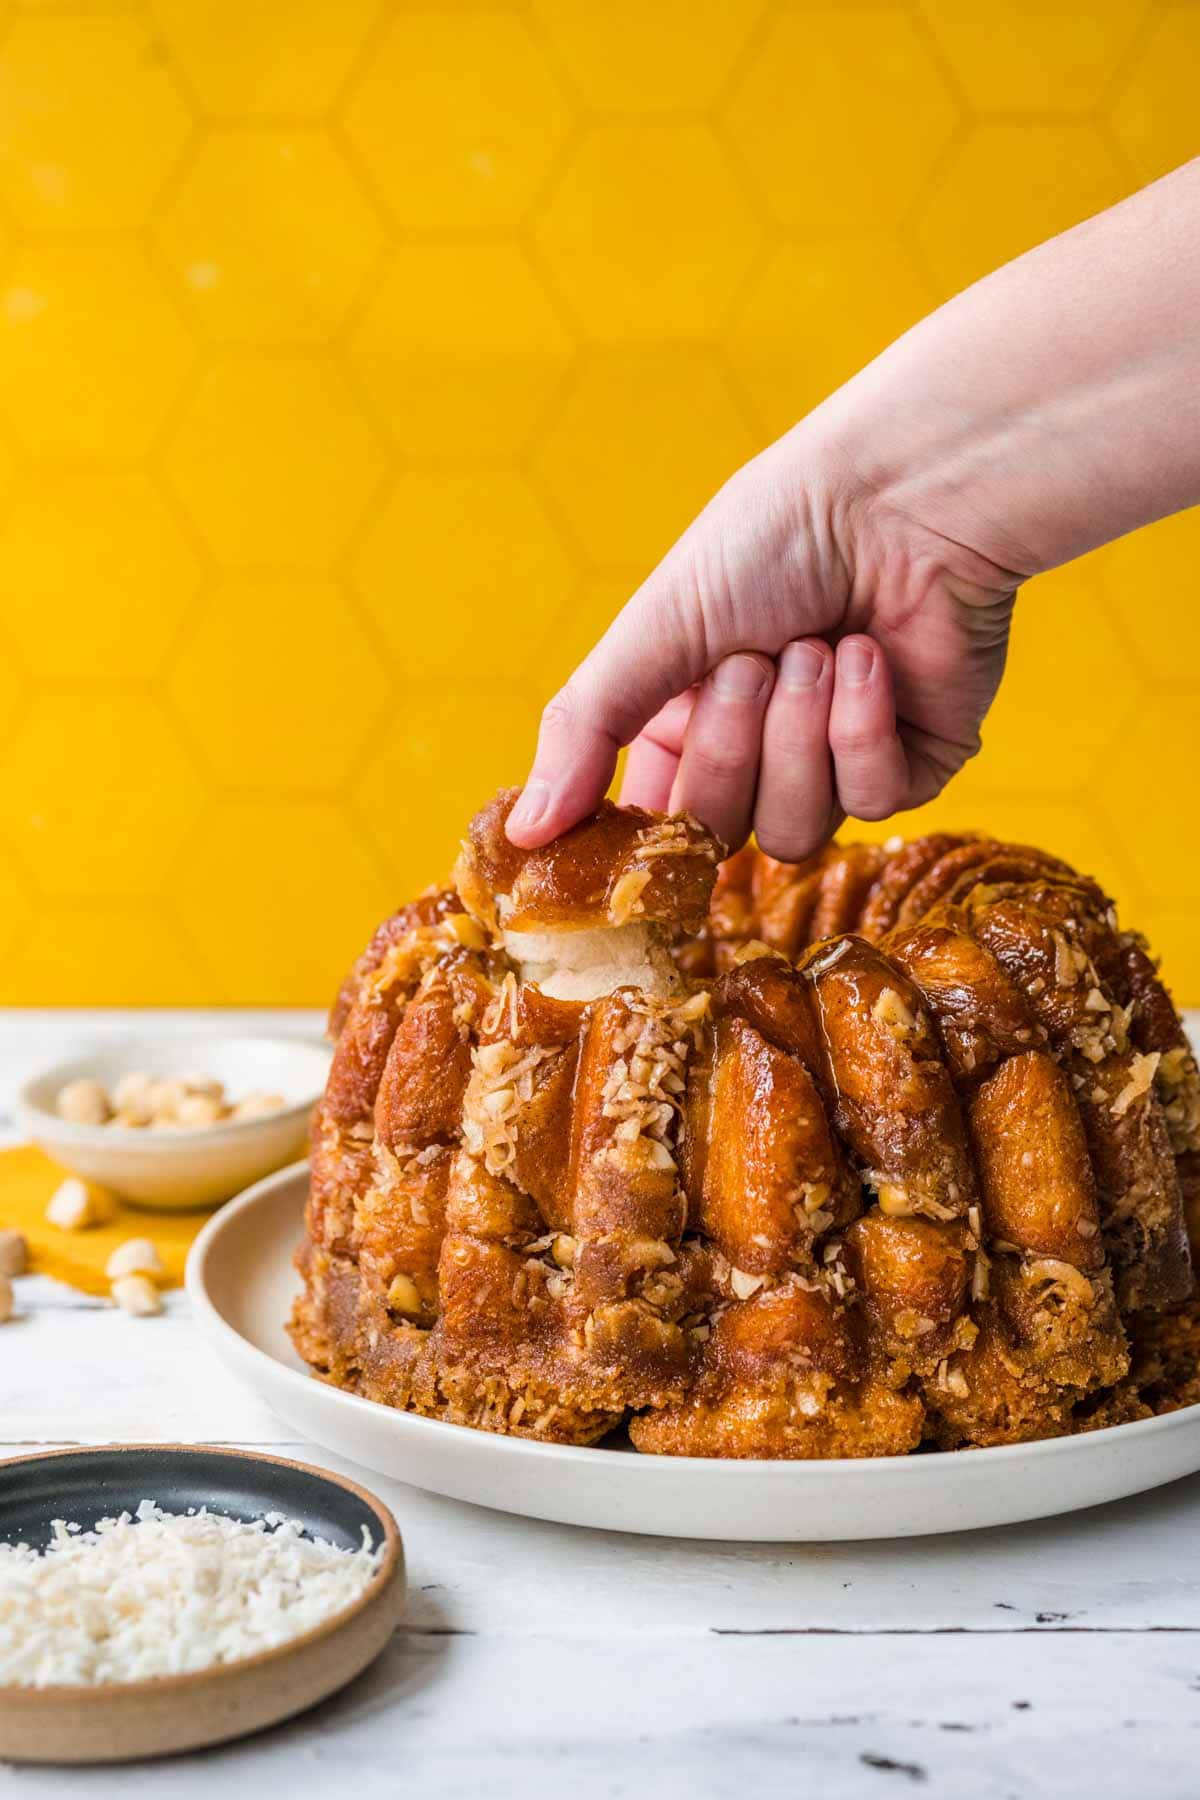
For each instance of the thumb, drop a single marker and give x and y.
(730, 583)
(655, 648)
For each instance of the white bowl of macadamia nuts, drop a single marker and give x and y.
(173, 1124)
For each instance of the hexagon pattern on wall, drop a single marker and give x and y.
(638, 443)
(269, 235)
(79, 596)
(289, 658)
(358, 360)
(452, 552)
(648, 234)
(458, 141)
(92, 351)
(58, 77)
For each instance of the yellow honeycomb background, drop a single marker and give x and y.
(358, 358)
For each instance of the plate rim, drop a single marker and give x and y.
(782, 1471)
(391, 1567)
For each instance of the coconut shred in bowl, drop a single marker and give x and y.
(157, 1593)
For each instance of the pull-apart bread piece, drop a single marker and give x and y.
(887, 1148)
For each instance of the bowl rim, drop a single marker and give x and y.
(779, 1471)
(35, 1118)
(390, 1565)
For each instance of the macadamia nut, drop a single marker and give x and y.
(208, 1085)
(14, 1253)
(136, 1256)
(84, 1102)
(198, 1109)
(137, 1295)
(140, 1101)
(258, 1106)
(73, 1206)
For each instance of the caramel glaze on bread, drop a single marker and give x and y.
(888, 1148)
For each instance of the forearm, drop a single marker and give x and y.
(1052, 406)
(879, 545)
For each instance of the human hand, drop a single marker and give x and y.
(828, 634)
(806, 650)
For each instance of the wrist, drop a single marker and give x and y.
(897, 489)
(1052, 406)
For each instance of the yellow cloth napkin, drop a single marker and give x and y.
(27, 1180)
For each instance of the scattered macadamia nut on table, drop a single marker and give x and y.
(73, 1205)
(136, 1256)
(14, 1253)
(6, 1300)
(137, 1295)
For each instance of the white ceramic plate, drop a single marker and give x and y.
(171, 1170)
(241, 1281)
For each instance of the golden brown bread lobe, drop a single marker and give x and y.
(915, 1277)
(773, 996)
(618, 865)
(756, 896)
(774, 1180)
(819, 1199)
(958, 871)
(786, 1376)
(1035, 1180)
(1047, 1337)
(1041, 937)
(843, 888)
(980, 1014)
(901, 871)
(428, 909)
(892, 1099)
(1156, 1029)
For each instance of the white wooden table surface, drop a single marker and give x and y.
(1054, 1658)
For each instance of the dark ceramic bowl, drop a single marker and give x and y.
(117, 1721)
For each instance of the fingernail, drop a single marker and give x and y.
(855, 662)
(535, 797)
(738, 678)
(800, 665)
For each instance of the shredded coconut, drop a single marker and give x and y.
(1141, 1078)
(157, 1593)
(501, 1083)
